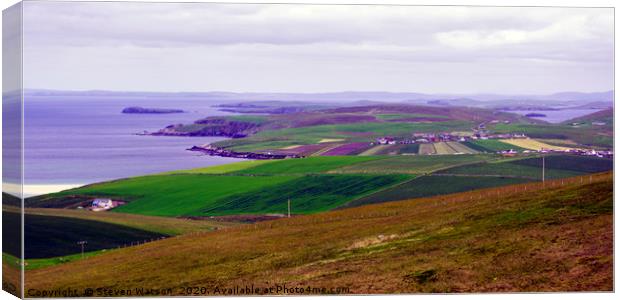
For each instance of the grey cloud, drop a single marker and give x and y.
(339, 39)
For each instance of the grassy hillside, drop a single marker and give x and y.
(606, 116)
(180, 195)
(556, 166)
(510, 169)
(426, 186)
(518, 238)
(310, 165)
(584, 164)
(234, 190)
(314, 184)
(412, 164)
(308, 194)
(221, 169)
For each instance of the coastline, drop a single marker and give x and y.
(31, 190)
(221, 152)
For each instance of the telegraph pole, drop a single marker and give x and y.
(289, 208)
(543, 168)
(82, 243)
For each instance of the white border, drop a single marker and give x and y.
(536, 3)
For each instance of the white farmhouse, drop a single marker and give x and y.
(102, 204)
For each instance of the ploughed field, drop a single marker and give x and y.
(519, 238)
(49, 236)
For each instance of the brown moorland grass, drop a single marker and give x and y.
(11, 278)
(521, 238)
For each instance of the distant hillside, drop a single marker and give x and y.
(521, 238)
(296, 117)
(578, 96)
(606, 116)
(453, 113)
(338, 97)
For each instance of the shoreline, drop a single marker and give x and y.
(221, 152)
(31, 190)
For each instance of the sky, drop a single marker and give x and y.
(316, 48)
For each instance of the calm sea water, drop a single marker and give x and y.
(557, 116)
(74, 141)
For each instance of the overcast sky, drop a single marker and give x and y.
(313, 48)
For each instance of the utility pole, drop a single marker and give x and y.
(543, 168)
(289, 208)
(82, 243)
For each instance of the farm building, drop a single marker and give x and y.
(102, 204)
(386, 141)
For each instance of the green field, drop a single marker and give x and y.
(222, 169)
(308, 165)
(171, 195)
(556, 166)
(308, 194)
(426, 186)
(412, 164)
(510, 169)
(257, 119)
(49, 236)
(196, 194)
(491, 146)
(586, 164)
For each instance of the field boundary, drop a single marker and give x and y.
(346, 205)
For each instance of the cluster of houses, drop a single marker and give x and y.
(597, 153)
(424, 138)
(595, 123)
(583, 152)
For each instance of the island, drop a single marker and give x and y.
(144, 110)
(535, 115)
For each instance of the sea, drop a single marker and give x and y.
(70, 141)
(557, 116)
